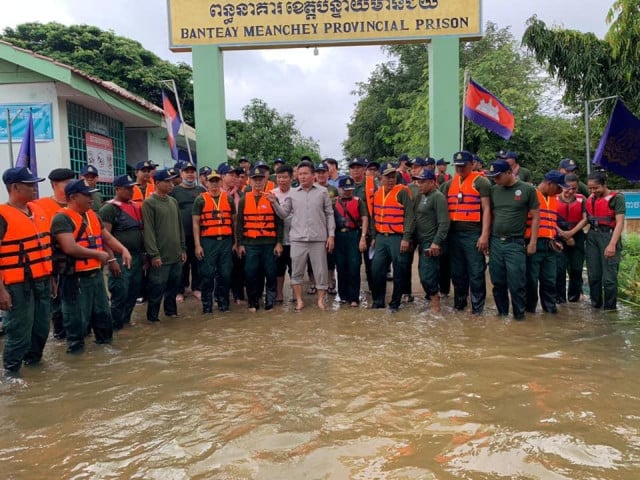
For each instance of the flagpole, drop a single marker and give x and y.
(464, 102)
(174, 89)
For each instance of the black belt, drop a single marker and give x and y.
(509, 239)
(88, 273)
(345, 230)
(602, 229)
(389, 234)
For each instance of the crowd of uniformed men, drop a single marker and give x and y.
(230, 235)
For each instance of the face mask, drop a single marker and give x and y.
(188, 184)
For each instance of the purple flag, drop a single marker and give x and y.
(27, 153)
(619, 148)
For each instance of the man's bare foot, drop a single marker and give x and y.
(321, 305)
(299, 306)
(252, 309)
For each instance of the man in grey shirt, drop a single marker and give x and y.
(312, 231)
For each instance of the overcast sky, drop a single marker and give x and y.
(317, 90)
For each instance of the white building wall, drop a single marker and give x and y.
(49, 154)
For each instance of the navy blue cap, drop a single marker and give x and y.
(186, 165)
(165, 174)
(61, 174)
(430, 161)
(346, 183)
(78, 186)
(279, 160)
(224, 168)
(322, 166)
(498, 167)
(123, 181)
(89, 170)
(403, 158)
(145, 164)
(476, 158)
(256, 172)
(373, 163)
(262, 164)
(205, 170)
(358, 162)
(243, 159)
(461, 158)
(19, 175)
(419, 162)
(426, 174)
(508, 154)
(568, 164)
(554, 176)
(442, 161)
(388, 168)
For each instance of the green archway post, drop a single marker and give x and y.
(444, 97)
(208, 93)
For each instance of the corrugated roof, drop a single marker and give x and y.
(110, 86)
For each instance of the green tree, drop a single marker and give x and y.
(267, 134)
(107, 56)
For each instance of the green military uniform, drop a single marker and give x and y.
(507, 259)
(163, 239)
(26, 325)
(583, 189)
(260, 261)
(84, 298)
(387, 251)
(431, 226)
(98, 201)
(571, 261)
(361, 193)
(468, 264)
(217, 264)
(603, 272)
(126, 287)
(524, 175)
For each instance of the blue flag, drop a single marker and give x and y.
(27, 153)
(619, 149)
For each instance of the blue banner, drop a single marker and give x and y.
(632, 200)
(42, 121)
(619, 149)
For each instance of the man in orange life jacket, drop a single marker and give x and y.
(572, 218)
(468, 196)
(123, 219)
(25, 271)
(269, 185)
(259, 237)
(541, 265)
(365, 186)
(59, 178)
(352, 223)
(144, 186)
(214, 215)
(392, 233)
(79, 234)
(605, 212)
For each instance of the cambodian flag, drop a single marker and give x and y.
(483, 108)
(27, 153)
(173, 123)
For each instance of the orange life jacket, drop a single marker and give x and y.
(548, 217)
(370, 191)
(215, 219)
(570, 213)
(599, 212)
(259, 219)
(267, 188)
(464, 200)
(388, 212)
(25, 251)
(91, 237)
(347, 213)
(49, 205)
(138, 197)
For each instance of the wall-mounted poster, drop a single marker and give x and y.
(19, 114)
(100, 155)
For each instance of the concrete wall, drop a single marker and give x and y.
(49, 154)
(158, 148)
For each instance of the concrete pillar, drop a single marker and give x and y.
(208, 91)
(444, 97)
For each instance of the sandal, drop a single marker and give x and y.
(332, 291)
(312, 290)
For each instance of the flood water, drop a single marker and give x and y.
(342, 394)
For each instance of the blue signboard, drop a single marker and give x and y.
(42, 121)
(632, 199)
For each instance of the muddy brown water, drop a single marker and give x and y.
(343, 394)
